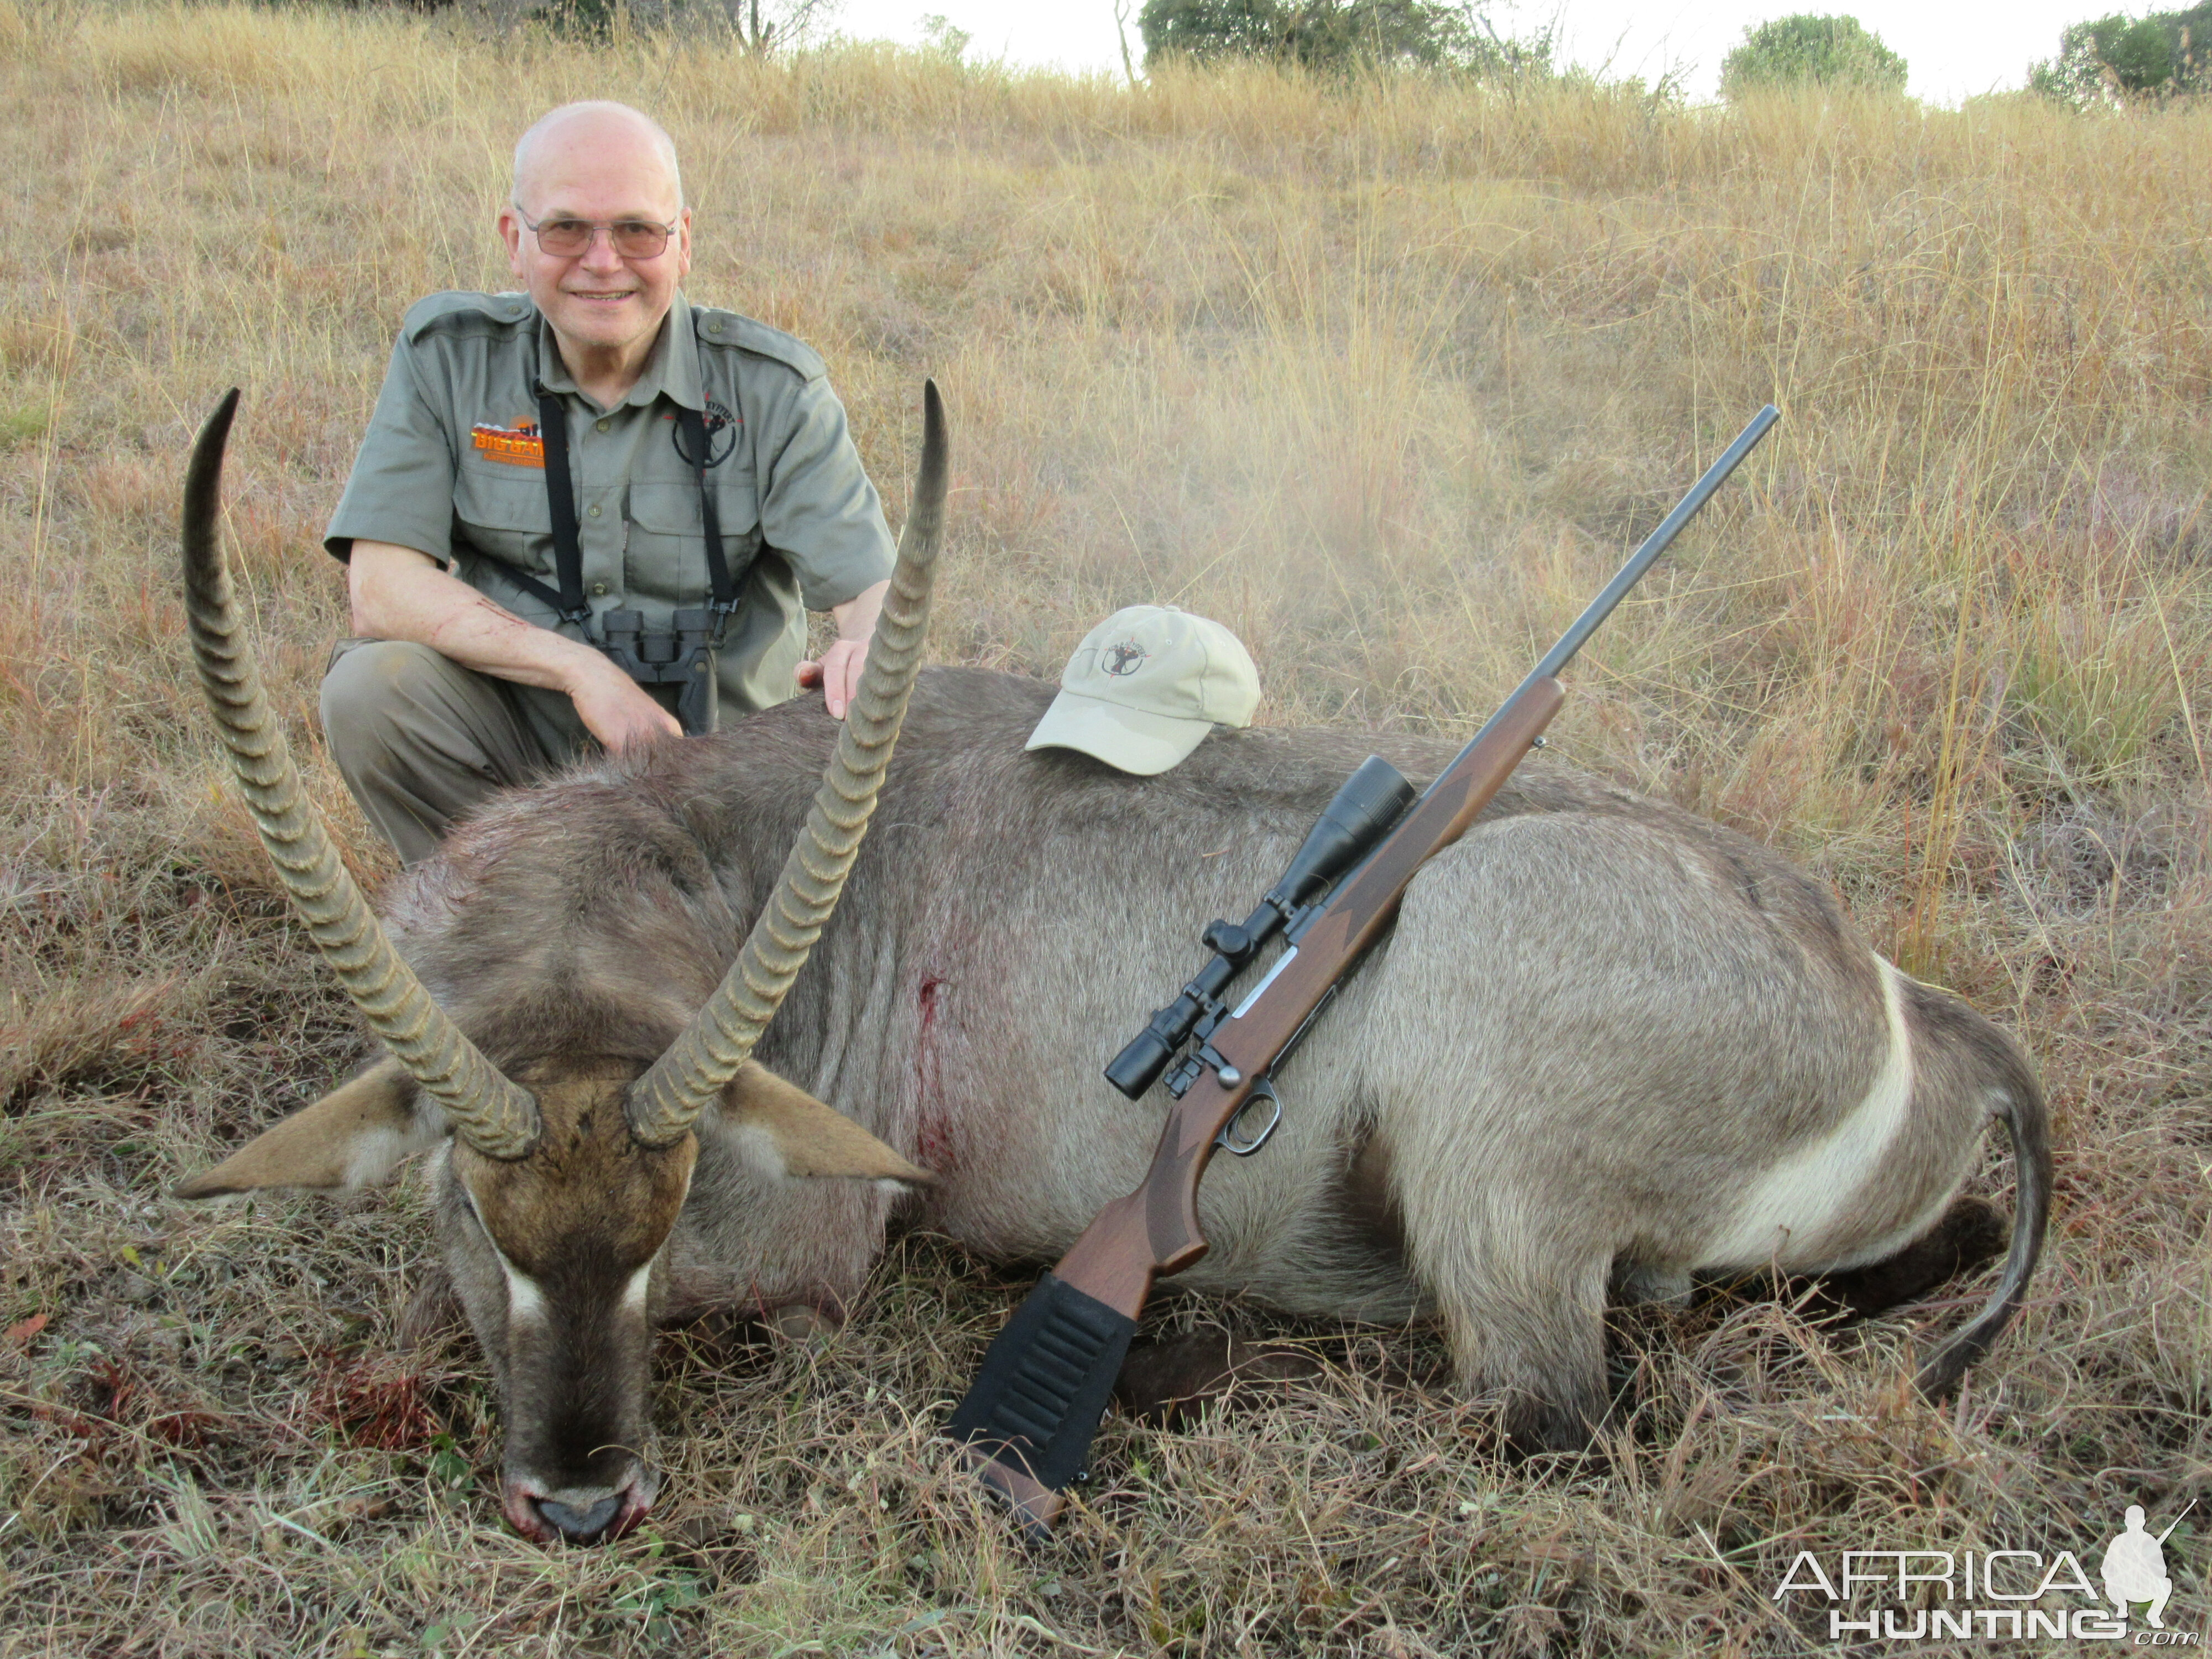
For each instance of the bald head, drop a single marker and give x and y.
(602, 138)
(608, 169)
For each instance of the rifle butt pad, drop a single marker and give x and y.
(1027, 1423)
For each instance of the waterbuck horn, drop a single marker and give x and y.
(487, 1111)
(666, 1101)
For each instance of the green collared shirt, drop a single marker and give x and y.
(452, 465)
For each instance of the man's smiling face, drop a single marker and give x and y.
(599, 163)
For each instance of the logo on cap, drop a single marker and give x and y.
(1124, 658)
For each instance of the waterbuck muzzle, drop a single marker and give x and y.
(565, 1178)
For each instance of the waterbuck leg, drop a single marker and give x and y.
(727, 1332)
(1644, 1286)
(1526, 1324)
(1970, 1233)
(1547, 1363)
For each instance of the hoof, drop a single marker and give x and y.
(1163, 1383)
(802, 1321)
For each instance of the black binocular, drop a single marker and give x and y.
(681, 655)
(1359, 814)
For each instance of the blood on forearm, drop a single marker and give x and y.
(400, 594)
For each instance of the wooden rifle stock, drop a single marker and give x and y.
(1026, 1423)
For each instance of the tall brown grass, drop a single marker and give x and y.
(1386, 376)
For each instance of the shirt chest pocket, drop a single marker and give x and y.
(507, 519)
(666, 557)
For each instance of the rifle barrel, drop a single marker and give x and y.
(1628, 575)
(1654, 544)
(1639, 562)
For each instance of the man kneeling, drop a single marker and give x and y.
(590, 463)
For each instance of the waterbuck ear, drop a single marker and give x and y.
(354, 1136)
(785, 1131)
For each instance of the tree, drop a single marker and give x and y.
(1339, 34)
(2117, 58)
(944, 37)
(1809, 50)
(759, 26)
(1208, 28)
(764, 28)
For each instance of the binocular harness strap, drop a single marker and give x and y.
(694, 429)
(568, 547)
(561, 496)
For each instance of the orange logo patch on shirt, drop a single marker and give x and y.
(517, 446)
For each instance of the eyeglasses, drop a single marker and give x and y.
(631, 238)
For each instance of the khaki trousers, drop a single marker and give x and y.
(421, 740)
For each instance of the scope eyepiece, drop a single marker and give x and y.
(1138, 1066)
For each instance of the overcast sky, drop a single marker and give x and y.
(1955, 48)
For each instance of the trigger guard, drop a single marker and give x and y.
(1263, 1089)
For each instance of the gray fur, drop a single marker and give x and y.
(1600, 1019)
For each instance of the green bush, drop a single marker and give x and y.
(1340, 33)
(1807, 50)
(2117, 58)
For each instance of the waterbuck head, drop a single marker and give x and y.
(563, 1175)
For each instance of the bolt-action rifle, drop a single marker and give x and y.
(1028, 1421)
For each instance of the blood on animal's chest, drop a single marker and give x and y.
(932, 1130)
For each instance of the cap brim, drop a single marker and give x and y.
(1127, 739)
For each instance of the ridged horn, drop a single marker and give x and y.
(490, 1113)
(666, 1100)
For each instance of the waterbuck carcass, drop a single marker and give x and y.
(1608, 1045)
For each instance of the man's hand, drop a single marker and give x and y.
(400, 594)
(837, 670)
(838, 674)
(619, 711)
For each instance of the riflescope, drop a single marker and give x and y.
(1356, 817)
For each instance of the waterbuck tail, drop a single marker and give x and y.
(2028, 1124)
(664, 1102)
(487, 1111)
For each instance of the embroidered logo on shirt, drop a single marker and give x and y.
(517, 446)
(721, 433)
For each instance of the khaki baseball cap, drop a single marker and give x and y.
(1144, 688)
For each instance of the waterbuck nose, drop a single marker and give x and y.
(580, 1525)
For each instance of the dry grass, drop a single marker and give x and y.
(1385, 378)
